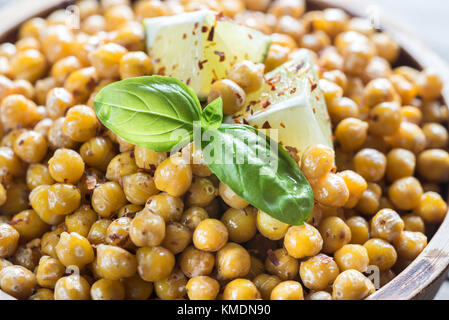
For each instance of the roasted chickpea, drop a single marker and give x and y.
(94, 24)
(62, 68)
(42, 294)
(202, 288)
(49, 271)
(210, 235)
(335, 233)
(136, 288)
(18, 112)
(121, 165)
(115, 263)
(270, 227)
(171, 288)
(410, 244)
(17, 281)
(233, 261)
(147, 229)
(49, 241)
(400, 164)
(9, 240)
(117, 233)
(135, 64)
(16, 199)
(130, 35)
(31, 146)
(437, 136)
(406, 193)
(434, 111)
(370, 164)
(281, 264)
(386, 225)
(138, 187)
(241, 289)
(265, 283)
(98, 231)
(343, 108)
(74, 250)
(317, 161)
(429, 85)
(359, 229)
(10, 164)
(413, 222)
(230, 198)
(28, 64)
(277, 55)
(247, 75)
(303, 241)
(56, 137)
(106, 60)
(318, 272)
(80, 123)
(331, 91)
(232, 95)
(73, 287)
(58, 101)
(287, 290)
(331, 190)
(386, 47)
(81, 83)
(369, 202)
(107, 199)
(28, 224)
(201, 192)
(81, 220)
(194, 215)
(432, 208)
(433, 165)
(154, 263)
(66, 166)
(241, 224)
(409, 136)
(351, 285)
(356, 185)
(105, 289)
(352, 256)
(381, 253)
(148, 159)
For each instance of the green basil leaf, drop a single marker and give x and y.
(237, 155)
(212, 115)
(153, 112)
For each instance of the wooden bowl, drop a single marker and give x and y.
(424, 276)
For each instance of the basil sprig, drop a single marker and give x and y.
(147, 111)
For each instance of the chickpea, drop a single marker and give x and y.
(105, 289)
(387, 48)
(32, 28)
(381, 253)
(139, 187)
(148, 159)
(400, 164)
(406, 193)
(414, 223)
(202, 288)
(117, 233)
(241, 224)
(281, 264)
(130, 35)
(335, 233)
(17, 281)
(58, 101)
(56, 137)
(9, 240)
(73, 287)
(42, 294)
(241, 289)
(18, 112)
(177, 237)
(194, 262)
(94, 24)
(277, 55)
(370, 164)
(16, 199)
(231, 198)
(352, 256)
(74, 250)
(25, 88)
(155, 263)
(81, 83)
(429, 85)
(436, 136)
(129, 210)
(331, 91)
(98, 152)
(359, 229)
(135, 64)
(385, 119)
(231, 93)
(433, 165)
(287, 7)
(233, 261)
(88, 8)
(29, 65)
(192, 217)
(432, 208)
(247, 75)
(41, 89)
(115, 263)
(287, 290)
(49, 271)
(318, 272)
(303, 241)
(331, 190)
(29, 225)
(386, 225)
(107, 199)
(317, 161)
(81, 220)
(210, 235)
(434, 111)
(147, 229)
(332, 21)
(201, 192)
(136, 288)
(319, 295)
(80, 123)
(106, 59)
(30, 146)
(66, 166)
(265, 283)
(351, 285)
(173, 287)
(49, 241)
(410, 137)
(356, 185)
(270, 227)
(410, 244)
(98, 231)
(343, 108)
(121, 165)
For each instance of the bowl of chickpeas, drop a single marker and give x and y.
(85, 214)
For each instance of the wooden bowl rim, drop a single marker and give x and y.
(423, 276)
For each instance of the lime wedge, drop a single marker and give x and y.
(291, 102)
(200, 47)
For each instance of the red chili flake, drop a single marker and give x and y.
(293, 152)
(15, 221)
(299, 66)
(256, 126)
(210, 37)
(248, 108)
(334, 169)
(314, 110)
(266, 125)
(184, 36)
(221, 55)
(204, 29)
(265, 104)
(282, 125)
(174, 66)
(219, 16)
(157, 60)
(252, 103)
(161, 71)
(188, 81)
(273, 80)
(201, 63)
(196, 42)
(91, 182)
(293, 90)
(314, 86)
(250, 36)
(245, 121)
(272, 257)
(237, 121)
(196, 25)
(280, 93)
